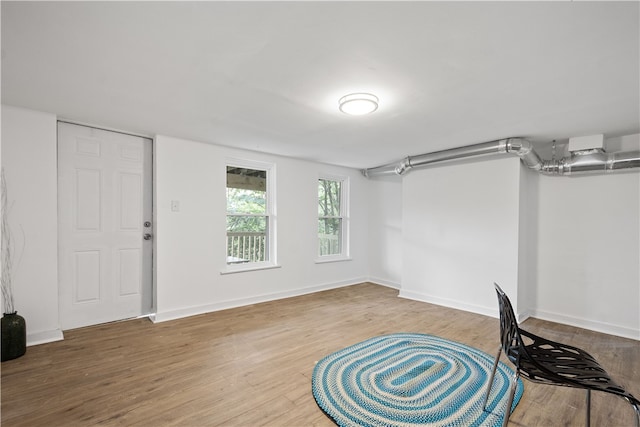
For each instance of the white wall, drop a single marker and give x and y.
(461, 233)
(188, 259)
(588, 252)
(385, 231)
(29, 160)
(190, 252)
(527, 242)
(567, 247)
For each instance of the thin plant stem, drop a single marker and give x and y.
(6, 250)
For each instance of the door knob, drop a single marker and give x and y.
(147, 236)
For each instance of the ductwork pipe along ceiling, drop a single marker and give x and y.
(580, 162)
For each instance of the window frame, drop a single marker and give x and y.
(344, 254)
(270, 214)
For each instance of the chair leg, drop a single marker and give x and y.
(636, 408)
(493, 373)
(507, 410)
(588, 419)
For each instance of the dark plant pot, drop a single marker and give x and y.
(14, 336)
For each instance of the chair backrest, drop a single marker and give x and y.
(588, 375)
(510, 338)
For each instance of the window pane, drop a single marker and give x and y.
(246, 239)
(328, 197)
(246, 201)
(247, 218)
(329, 236)
(250, 224)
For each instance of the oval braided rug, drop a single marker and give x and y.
(408, 379)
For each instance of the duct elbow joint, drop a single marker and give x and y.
(403, 167)
(518, 146)
(523, 149)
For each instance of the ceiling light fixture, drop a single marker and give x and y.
(358, 104)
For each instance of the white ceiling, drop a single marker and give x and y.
(267, 76)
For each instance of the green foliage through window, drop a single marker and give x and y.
(329, 217)
(247, 219)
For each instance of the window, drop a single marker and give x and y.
(332, 218)
(250, 219)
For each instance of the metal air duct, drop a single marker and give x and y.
(582, 162)
(576, 163)
(423, 160)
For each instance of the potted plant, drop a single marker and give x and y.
(14, 329)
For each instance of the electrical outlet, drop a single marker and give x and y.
(175, 206)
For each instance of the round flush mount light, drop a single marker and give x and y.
(358, 104)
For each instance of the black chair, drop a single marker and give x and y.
(549, 362)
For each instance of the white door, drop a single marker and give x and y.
(105, 231)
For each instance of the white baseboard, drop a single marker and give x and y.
(224, 305)
(383, 282)
(521, 317)
(459, 305)
(593, 325)
(44, 337)
(445, 302)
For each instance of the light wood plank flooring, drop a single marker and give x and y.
(252, 366)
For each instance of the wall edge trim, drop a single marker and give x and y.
(445, 302)
(592, 325)
(44, 337)
(383, 282)
(240, 302)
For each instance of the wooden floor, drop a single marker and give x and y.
(252, 366)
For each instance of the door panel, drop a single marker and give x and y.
(130, 186)
(104, 199)
(130, 275)
(87, 276)
(87, 199)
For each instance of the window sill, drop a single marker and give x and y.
(325, 260)
(237, 269)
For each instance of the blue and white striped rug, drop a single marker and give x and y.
(408, 379)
